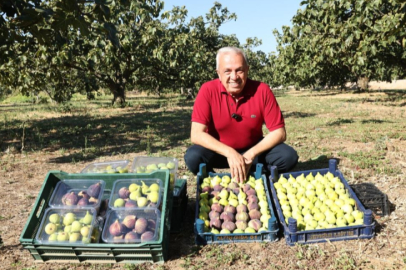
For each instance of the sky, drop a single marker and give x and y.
(255, 18)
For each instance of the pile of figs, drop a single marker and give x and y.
(71, 227)
(82, 198)
(148, 167)
(133, 195)
(130, 227)
(227, 207)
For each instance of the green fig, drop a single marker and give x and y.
(75, 227)
(134, 195)
(88, 218)
(50, 228)
(144, 188)
(153, 196)
(133, 187)
(53, 237)
(69, 218)
(55, 218)
(142, 201)
(170, 165)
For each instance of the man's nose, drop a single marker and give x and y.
(233, 75)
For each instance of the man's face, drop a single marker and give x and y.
(233, 72)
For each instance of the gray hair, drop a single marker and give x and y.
(230, 50)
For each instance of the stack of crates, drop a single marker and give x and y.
(154, 251)
(372, 198)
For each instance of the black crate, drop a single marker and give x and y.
(372, 198)
(179, 205)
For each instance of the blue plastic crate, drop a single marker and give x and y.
(293, 236)
(203, 238)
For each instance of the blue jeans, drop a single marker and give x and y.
(282, 155)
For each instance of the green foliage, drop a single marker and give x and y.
(71, 47)
(332, 42)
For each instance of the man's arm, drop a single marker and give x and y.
(272, 139)
(235, 160)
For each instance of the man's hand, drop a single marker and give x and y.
(237, 165)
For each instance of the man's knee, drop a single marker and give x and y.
(291, 158)
(284, 157)
(193, 159)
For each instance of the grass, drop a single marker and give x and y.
(366, 137)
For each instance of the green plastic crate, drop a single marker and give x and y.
(155, 252)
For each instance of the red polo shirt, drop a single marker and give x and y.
(257, 105)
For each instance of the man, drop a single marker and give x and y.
(227, 122)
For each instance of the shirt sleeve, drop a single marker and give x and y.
(272, 113)
(201, 108)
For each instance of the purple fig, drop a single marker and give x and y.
(251, 192)
(131, 237)
(242, 216)
(118, 238)
(215, 223)
(217, 207)
(255, 224)
(130, 204)
(147, 236)
(83, 202)
(252, 198)
(236, 191)
(116, 228)
(230, 208)
(254, 214)
(151, 225)
(242, 208)
(242, 225)
(70, 199)
(129, 222)
(233, 185)
(217, 188)
(83, 194)
(93, 200)
(94, 190)
(252, 205)
(214, 193)
(246, 187)
(213, 215)
(124, 193)
(206, 189)
(229, 225)
(141, 225)
(227, 216)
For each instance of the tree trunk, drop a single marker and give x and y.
(362, 83)
(118, 93)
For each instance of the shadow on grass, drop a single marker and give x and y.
(297, 115)
(340, 122)
(375, 121)
(391, 96)
(85, 137)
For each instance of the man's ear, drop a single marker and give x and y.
(218, 74)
